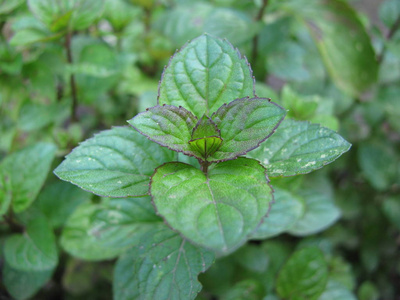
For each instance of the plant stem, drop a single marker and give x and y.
(390, 35)
(259, 16)
(72, 77)
(204, 166)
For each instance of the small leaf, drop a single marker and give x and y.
(304, 276)
(163, 266)
(103, 231)
(24, 284)
(298, 147)
(336, 291)
(286, 210)
(389, 12)
(114, 163)
(205, 74)
(206, 137)
(244, 124)
(68, 14)
(35, 250)
(5, 193)
(168, 126)
(217, 211)
(27, 170)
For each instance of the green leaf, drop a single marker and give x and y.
(29, 36)
(244, 124)
(298, 147)
(114, 163)
(342, 41)
(378, 163)
(66, 14)
(59, 199)
(35, 250)
(5, 193)
(389, 12)
(218, 210)
(336, 291)
(163, 266)
(24, 284)
(320, 210)
(105, 230)
(205, 74)
(7, 6)
(391, 208)
(167, 125)
(206, 137)
(286, 210)
(249, 289)
(27, 170)
(304, 276)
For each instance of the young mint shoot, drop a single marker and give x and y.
(207, 109)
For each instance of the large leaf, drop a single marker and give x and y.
(114, 163)
(298, 147)
(205, 74)
(320, 210)
(167, 125)
(104, 230)
(218, 210)
(304, 276)
(63, 14)
(286, 210)
(342, 40)
(27, 170)
(163, 266)
(24, 284)
(35, 250)
(244, 124)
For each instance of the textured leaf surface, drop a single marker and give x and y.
(342, 41)
(244, 124)
(24, 284)
(286, 210)
(103, 231)
(61, 14)
(298, 147)
(320, 210)
(27, 170)
(163, 266)
(114, 163)
(34, 250)
(304, 276)
(167, 125)
(218, 211)
(205, 74)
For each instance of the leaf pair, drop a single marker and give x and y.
(231, 131)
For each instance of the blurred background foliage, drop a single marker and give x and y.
(70, 70)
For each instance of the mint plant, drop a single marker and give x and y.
(203, 157)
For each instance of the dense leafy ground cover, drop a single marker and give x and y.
(71, 74)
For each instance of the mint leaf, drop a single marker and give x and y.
(104, 230)
(298, 147)
(24, 284)
(304, 276)
(68, 14)
(286, 210)
(7, 6)
(205, 74)
(35, 250)
(5, 193)
(167, 125)
(217, 211)
(342, 41)
(244, 124)
(114, 163)
(336, 291)
(162, 266)
(59, 199)
(27, 170)
(206, 137)
(320, 210)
